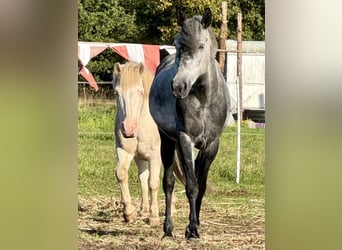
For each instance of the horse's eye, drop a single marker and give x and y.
(201, 46)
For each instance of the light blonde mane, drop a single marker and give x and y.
(131, 76)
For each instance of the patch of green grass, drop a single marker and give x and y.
(96, 117)
(96, 158)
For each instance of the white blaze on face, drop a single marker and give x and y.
(130, 95)
(133, 99)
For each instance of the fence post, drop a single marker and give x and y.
(239, 95)
(239, 60)
(223, 35)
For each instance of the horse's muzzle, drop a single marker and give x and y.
(179, 89)
(129, 128)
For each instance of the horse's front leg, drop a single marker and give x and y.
(186, 154)
(143, 173)
(123, 162)
(167, 150)
(202, 163)
(155, 165)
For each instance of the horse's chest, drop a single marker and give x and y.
(201, 124)
(127, 144)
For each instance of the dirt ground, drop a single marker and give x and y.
(231, 223)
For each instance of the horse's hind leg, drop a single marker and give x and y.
(167, 154)
(123, 163)
(143, 173)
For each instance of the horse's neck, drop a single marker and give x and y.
(147, 82)
(209, 82)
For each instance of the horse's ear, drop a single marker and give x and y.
(206, 18)
(141, 68)
(117, 68)
(181, 17)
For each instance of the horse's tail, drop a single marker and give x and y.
(178, 169)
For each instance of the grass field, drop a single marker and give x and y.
(232, 214)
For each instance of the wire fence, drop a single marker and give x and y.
(87, 93)
(112, 133)
(105, 94)
(96, 138)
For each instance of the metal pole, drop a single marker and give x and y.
(239, 60)
(238, 147)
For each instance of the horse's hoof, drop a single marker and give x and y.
(154, 221)
(168, 235)
(145, 214)
(193, 236)
(131, 216)
(192, 239)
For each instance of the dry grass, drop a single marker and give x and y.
(231, 223)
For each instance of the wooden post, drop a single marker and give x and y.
(239, 60)
(239, 94)
(223, 35)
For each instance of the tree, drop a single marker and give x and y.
(253, 19)
(105, 21)
(156, 19)
(154, 22)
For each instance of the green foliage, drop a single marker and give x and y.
(157, 18)
(253, 19)
(105, 21)
(154, 22)
(102, 65)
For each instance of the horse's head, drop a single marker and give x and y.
(129, 91)
(196, 46)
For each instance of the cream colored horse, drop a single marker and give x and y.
(136, 137)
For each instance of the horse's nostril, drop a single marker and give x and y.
(179, 88)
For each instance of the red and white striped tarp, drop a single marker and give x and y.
(86, 51)
(145, 53)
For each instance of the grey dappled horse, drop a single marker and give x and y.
(136, 136)
(189, 101)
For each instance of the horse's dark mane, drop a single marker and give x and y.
(165, 62)
(190, 28)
